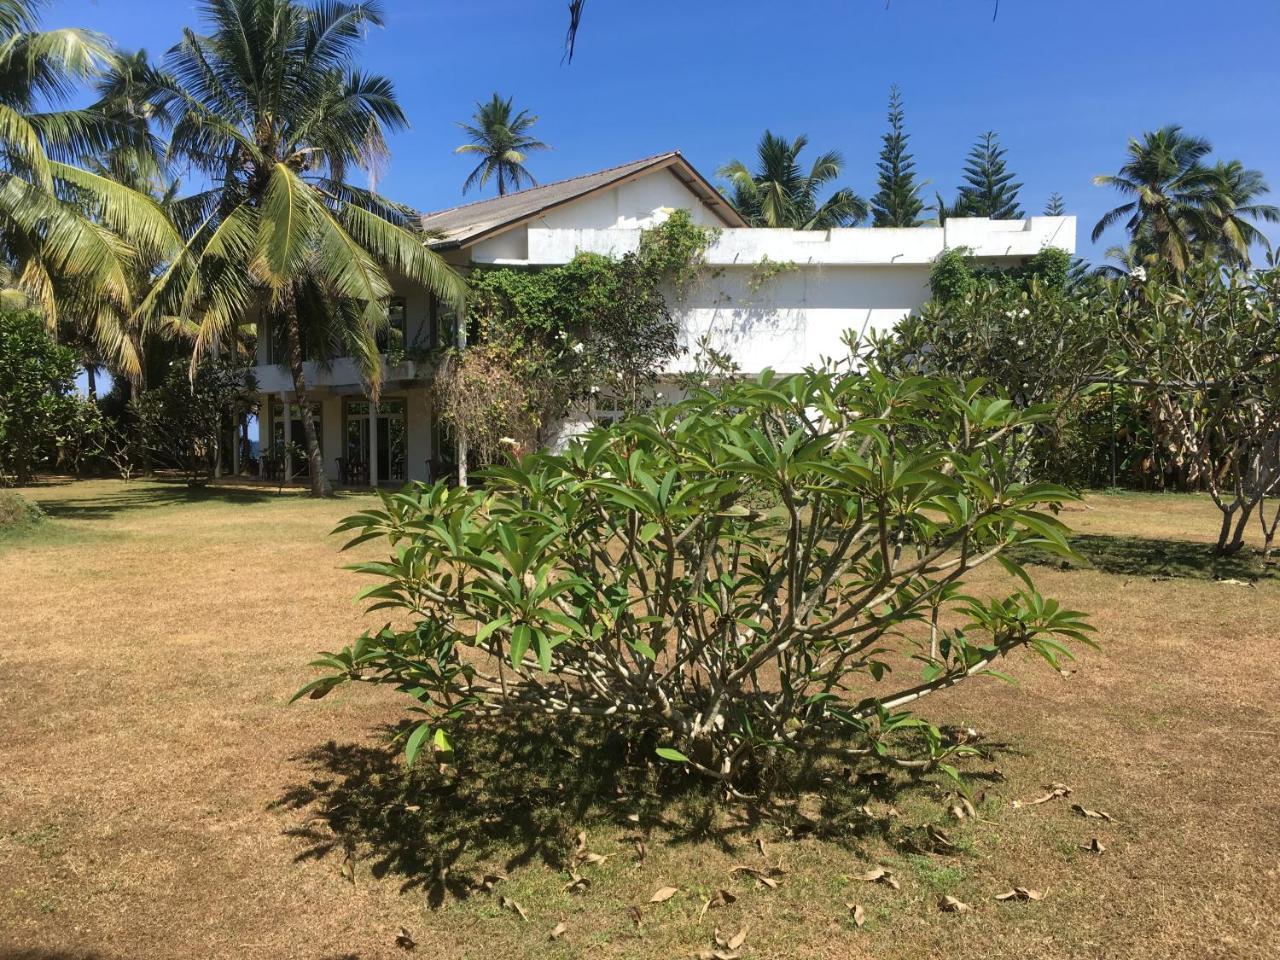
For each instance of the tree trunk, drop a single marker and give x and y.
(91, 381)
(320, 486)
(1231, 536)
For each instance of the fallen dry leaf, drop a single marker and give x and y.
(721, 898)
(595, 859)
(881, 875)
(490, 880)
(962, 809)
(580, 844)
(348, 869)
(760, 847)
(642, 851)
(949, 904)
(938, 836)
(557, 931)
(738, 939)
(1056, 790)
(404, 939)
(635, 915)
(1092, 814)
(761, 876)
(1020, 893)
(1094, 845)
(859, 915)
(577, 884)
(663, 894)
(506, 903)
(720, 954)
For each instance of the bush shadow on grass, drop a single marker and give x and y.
(514, 795)
(1159, 559)
(150, 494)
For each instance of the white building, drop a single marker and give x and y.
(771, 298)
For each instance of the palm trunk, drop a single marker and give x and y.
(320, 486)
(91, 381)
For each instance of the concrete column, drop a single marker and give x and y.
(236, 437)
(288, 437)
(373, 444)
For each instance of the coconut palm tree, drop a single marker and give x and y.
(270, 107)
(1232, 234)
(1176, 198)
(503, 143)
(62, 225)
(779, 194)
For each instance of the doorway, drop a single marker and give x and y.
(391, 423)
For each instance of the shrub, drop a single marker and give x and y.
(626, 582)
(16, 511)
(37, 394)
(1030, 342)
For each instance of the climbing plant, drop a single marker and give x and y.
(553, 337)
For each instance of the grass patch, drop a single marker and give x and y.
(160, 800)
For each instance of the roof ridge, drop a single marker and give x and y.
(554, 183)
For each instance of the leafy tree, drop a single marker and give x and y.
(37, 394)
(502, 142)
(1205, 349)
(989, 189)
(897, 203)
(630, 584)
(61, 225)
(181, 418)
(779, 194)
(1022, 332)
(270, 107)
(1055, 207)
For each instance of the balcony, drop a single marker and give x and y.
(339, 375)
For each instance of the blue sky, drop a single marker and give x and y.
(1064, 82)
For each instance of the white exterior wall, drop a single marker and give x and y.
(628, 207)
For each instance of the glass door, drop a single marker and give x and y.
(393, 439)
(301, 464)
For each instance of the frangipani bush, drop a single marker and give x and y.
(635, 580)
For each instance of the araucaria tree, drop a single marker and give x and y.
(989, 189)
(897, 202)
(633, 581)
(778, 193)
(272, 109)
(1054, 206)
(500, 137)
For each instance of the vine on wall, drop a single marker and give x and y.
(547, 339)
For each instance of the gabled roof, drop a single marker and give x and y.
(467, 224)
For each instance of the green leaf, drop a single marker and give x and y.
(668, 753)
(414, 743)
(521, 637)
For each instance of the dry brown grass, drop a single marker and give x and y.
(148, 643)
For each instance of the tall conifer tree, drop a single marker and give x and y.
(897, 203)
(989, 189)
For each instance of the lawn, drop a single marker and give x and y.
(159, 798)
